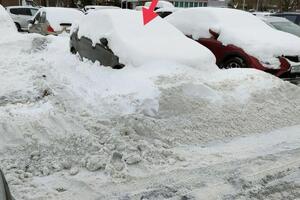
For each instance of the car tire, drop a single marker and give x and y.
(234, 62)
(18, 27)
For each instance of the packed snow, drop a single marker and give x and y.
(73, 129)
(161, 4)
(136, 44)
(239, 28)
(57, 16)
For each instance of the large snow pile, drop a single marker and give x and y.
(136, 44)
(57, 16)
(8, 28)
(239, 28)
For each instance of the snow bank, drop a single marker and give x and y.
(56, 16)
(7, 25)
(136, 44)
(239, 28)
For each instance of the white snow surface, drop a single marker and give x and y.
(136, 44)
(56, 16)
(238, 28)
(8, 27)
(72, 129)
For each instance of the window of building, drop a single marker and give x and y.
(196, 4)
(181, 4)
(205, 4)
(186, 4)
(176, 4)
(200, 4)
(191, 4)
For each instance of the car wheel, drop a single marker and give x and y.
(234, 62)
(18, 27)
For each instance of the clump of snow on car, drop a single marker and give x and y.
(57, 16)
(238, 28)
(136, 44)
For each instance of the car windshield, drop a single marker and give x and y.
(287, 27)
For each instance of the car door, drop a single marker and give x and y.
(24, 17)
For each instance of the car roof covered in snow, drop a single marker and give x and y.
(238, 28)
(137, 44)
(56, 16)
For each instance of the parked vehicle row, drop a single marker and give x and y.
(237, 39)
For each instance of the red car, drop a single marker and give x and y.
(240, 40)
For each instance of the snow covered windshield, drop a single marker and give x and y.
(137, 44)
(236, 27)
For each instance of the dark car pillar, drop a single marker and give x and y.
(4, 189)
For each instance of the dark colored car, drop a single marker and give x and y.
(4, 190)
(100, 52)
(292, 16)
(229, 34)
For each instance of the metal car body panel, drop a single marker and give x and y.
(99, 52)
(224, 52)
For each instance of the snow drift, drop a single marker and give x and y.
(8, 28)
(239, 28)
(136, 44)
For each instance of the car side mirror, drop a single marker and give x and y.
(214, 34)
(30, 21)
(104, 42)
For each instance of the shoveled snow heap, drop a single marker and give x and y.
(8, 28)
(239, 28)
(57, 16)
(136, 44)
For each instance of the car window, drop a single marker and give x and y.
(37, 17)
(287, 27)
(291, 17)
(20, 11)
(33, 11)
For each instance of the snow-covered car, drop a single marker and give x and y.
(21, 15)
(164, 12)
(88, 9)
(160, 4)
(54, 21)
(118, 37)
(4, 189)
(282, 24)
(239, 39)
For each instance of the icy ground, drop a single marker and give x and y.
(75, 130)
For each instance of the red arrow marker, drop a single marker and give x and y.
(148, 13)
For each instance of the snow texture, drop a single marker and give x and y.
(69, 127)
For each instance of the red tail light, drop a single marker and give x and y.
(50, 29)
